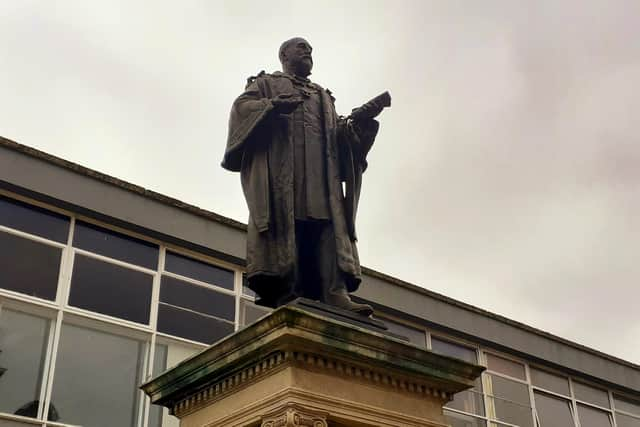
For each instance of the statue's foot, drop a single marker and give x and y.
(340, 298)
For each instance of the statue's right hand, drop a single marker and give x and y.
(286, 103)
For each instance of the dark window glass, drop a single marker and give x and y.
(190, 325)
(468, 401)
(592, 417)
(115, 245)
(550, 382)
(553, 411)
(23, 343)
(29, 267)
(511, 401)
(415, 336)
(110, 289)
(454, 350)
(627, 421)
(505, 366)
(253, 312)
(199, 270)
(590, 394)
(626, 405)
(461, 420)
(197, 298)
(34, 220)
(97, 377)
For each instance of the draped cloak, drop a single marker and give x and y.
(260, 147)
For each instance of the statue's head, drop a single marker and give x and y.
(295, 56)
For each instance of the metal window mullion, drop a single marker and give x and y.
(155, 299)
(428, 340)
(52, 364)
(612, 404)
(574, 405)
(532, 400)
(237, 284)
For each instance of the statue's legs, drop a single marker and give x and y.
(318, 275)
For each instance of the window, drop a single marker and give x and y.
(197, 298)
(553, 411)
(413, 335)
(191, 325)
(505, 366)
(550, 382)
(115, 245)
(23, 343)
(590, 394)
(592, 417)
(96, 378)
(462, 420)
(253, 312)
(29, 267)
(510, 401)
(111, 289)
(627, 412)
(627, 421)
(199, 270)
(458, 351)
(34, 220)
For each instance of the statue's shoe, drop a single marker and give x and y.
(340, 298)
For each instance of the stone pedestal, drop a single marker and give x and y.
(298, 367)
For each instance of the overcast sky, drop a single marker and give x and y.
(506, 174)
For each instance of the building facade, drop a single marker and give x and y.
(104, 284)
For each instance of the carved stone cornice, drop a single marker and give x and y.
(294, 338)
(293, 415)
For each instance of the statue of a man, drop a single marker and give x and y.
(301, 167)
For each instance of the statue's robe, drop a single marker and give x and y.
(260, 147)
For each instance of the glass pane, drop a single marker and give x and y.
(253, 312)
(23, 343)
(627, 421)
(510, 390)
(592, 417)
(115, 245)
(29, 267)
(550, 382)
(111, 289)
(511, 401)
(553, 411)
(159, 366)
(415, 336)
(513, 413)
(504, 366)
(460, 420)
(11, 423)
(591, 394)
(34, 220)
(197, 298)
(468, 401)
(199, 270)
(96, 378)
(190, 325)
(626, 405)
(452, 349)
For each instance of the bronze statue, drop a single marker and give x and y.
(294, 154)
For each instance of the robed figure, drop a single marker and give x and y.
(301, 170)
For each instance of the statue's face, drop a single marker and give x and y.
(298, 57)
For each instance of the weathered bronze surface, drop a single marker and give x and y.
(301, 170)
